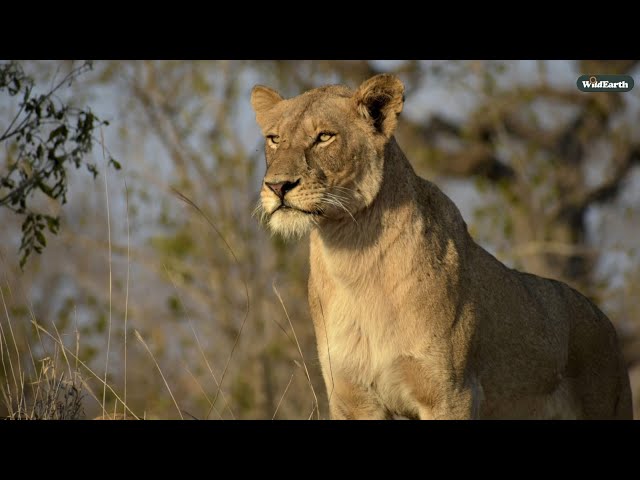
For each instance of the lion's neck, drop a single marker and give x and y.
(410, 220)
(390, 206)
(392, 218)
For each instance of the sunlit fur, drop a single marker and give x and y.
(412, 317)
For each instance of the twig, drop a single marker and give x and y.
(304, 363)
(283, 394)
(141, 340)
(106, 190)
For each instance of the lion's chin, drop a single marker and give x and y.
(290, 223)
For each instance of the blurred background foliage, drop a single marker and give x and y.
(195, 311)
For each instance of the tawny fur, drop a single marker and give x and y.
(412, 317)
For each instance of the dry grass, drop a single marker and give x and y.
(53, 390)
(56, 384)
(55, 397)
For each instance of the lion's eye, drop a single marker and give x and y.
(325, 137)
(273, 140)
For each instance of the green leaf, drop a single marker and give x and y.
(53, 224)
(92, 168)
(115, 163)
(40, 237)
(46, 190)
(61, 130)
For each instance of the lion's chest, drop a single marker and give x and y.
(361, 336)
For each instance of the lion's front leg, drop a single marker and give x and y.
(348, 401)
(455, 405)
(433, 392)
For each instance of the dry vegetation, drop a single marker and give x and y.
(162, 297)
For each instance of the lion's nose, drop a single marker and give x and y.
(281, 188)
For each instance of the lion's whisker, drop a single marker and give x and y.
(333, 200)
(346, 189)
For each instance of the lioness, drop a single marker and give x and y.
(412, 317)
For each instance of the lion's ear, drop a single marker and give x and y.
(380, 100)
(262, 100)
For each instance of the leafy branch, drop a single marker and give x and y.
(43, 138)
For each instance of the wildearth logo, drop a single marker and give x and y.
(605, 83)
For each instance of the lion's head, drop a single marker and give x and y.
(324, 151)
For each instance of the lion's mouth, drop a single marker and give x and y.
(284, 207)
